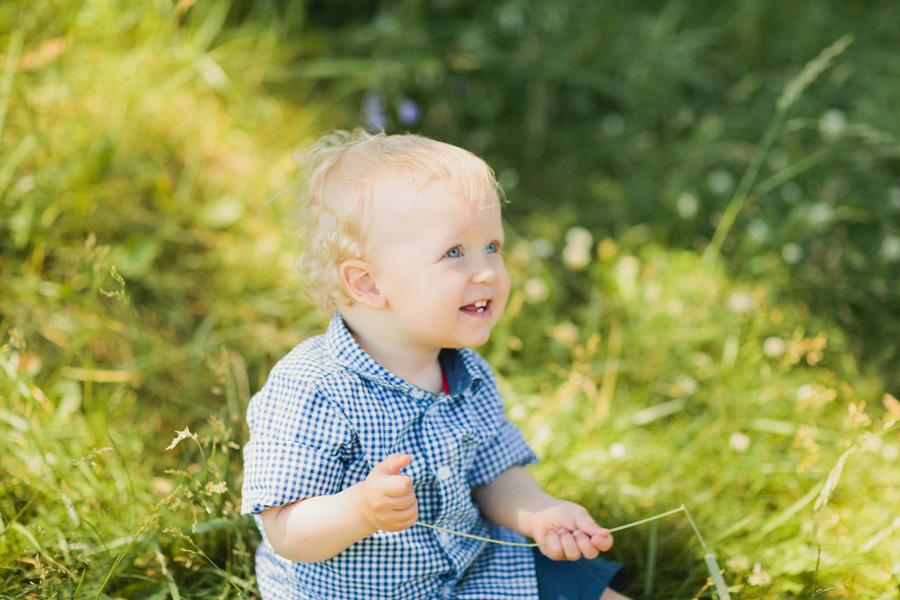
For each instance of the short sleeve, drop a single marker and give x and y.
(505, 449)
(298, 439)
(508, 448)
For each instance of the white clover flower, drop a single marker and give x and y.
(579, 236)
(536, 290)
(819, 213)
(806, 392)
(576, 257)
(759, 231)
(738, 563)
(565, 333)
(894, 197)
(618, 451)
(792, 253)
(720, 182)
(890, 248)
(687, 205)
(741, 302)
(509, 178)
(759, 577)
(518, 412)
(687, 385)
(774, 347)
(832, 124)
(739, 441)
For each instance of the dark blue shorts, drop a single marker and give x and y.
(573, 580)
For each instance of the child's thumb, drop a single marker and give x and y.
(392, 464)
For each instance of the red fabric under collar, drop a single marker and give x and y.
(444, 379)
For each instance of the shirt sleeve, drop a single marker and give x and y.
(297, 442)
(504, 450)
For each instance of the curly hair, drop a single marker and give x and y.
(340, 203)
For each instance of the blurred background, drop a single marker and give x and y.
(704, 227)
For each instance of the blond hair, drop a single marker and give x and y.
(340, 204)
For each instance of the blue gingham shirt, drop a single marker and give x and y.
(327, 415)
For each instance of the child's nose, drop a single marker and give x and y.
(484, 272)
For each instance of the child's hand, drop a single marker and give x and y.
(388, 501)
(567, 531)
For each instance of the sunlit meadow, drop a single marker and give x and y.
(147, 284)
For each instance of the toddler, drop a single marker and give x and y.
(373, 444)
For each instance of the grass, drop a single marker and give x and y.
(147, 287)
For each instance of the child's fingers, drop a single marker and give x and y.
(586, 523)
(585, 545)
(569, 545)
(602, 542)
(391, 465)
(396, 486)
(551, 548)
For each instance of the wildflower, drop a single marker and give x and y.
(741, 302)
(216, 488)
(408, 112)
(618, 451)
(509, 178)
(890, 248)
(181, 436)
(792, 253)
(536, 290)
(774, 347)
(738, 563)
(686, 386)
(759, 577)
(819, 214)
(832, 124)
(576, 257)
(687, 205)
(739, 441)
(720, 182)
(373, 113)
(894, 197)
(579, 236)
(518, 412)
(564, 333)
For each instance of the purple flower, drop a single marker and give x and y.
(408, 112)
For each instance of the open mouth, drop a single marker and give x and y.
(477, 307)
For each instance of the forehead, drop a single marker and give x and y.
(440, 198)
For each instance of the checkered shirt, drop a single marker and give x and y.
(327, 415)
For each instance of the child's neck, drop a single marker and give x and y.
(419, 368)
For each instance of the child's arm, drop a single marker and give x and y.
(566, 531)
(318, 528)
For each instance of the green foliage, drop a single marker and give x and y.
(769, 126)
(147, 282)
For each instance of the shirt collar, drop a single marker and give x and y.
(460, 366)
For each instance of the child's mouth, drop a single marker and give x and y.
(477, 308)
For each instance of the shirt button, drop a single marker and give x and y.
(444, 472)
(417, 394)
(444, 538)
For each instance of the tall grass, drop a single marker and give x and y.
(147, 286)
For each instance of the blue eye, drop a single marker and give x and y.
(491, 248)
(453, 252)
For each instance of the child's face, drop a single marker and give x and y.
(437, 261)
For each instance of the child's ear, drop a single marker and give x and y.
(356, 275)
